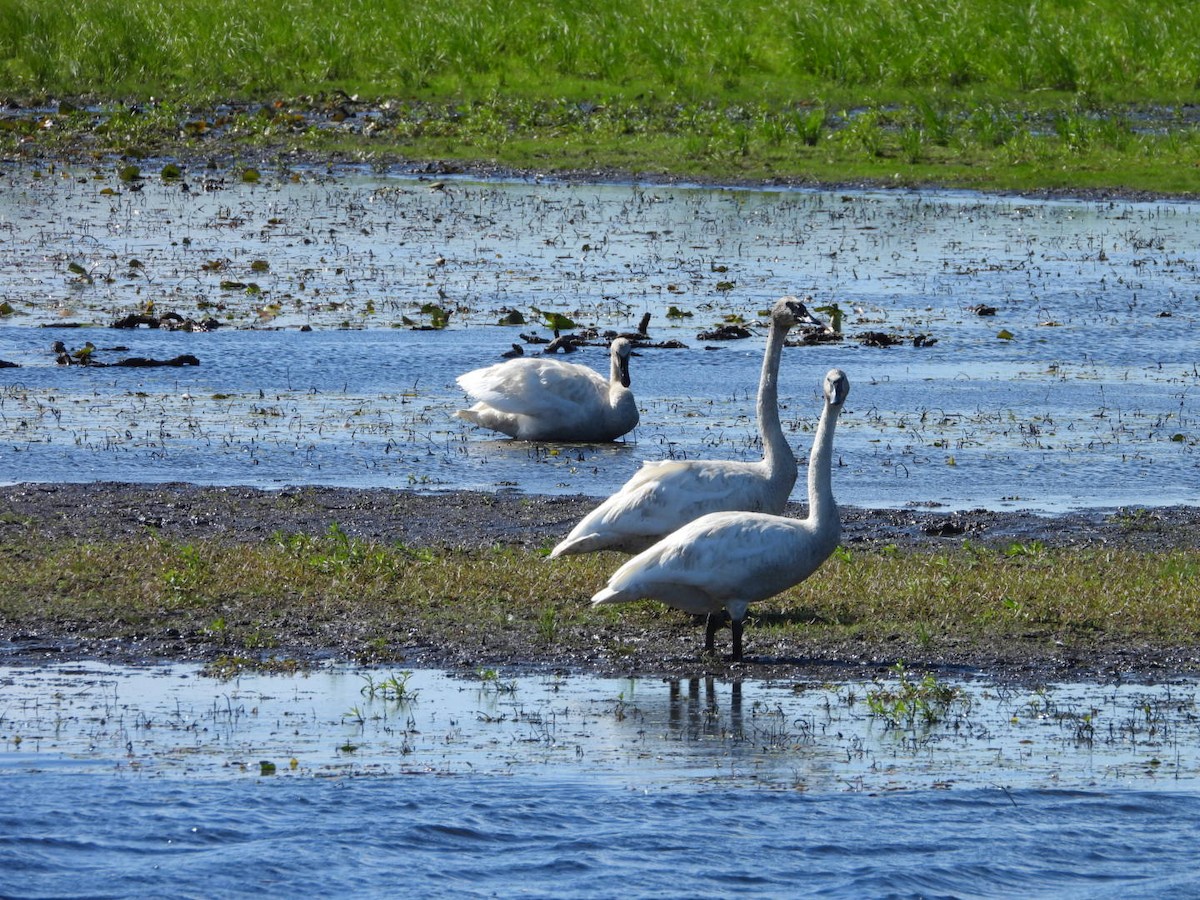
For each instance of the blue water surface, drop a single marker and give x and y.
(539, 836)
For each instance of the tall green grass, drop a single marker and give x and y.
(1109, 50)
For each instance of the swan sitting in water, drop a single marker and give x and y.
(541, 399)
(665, 495)
(728, 560)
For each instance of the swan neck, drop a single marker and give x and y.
(776, 450)
(618, 372)
(821, 505)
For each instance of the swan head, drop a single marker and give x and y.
(789, 312)
(837, 387)
(620, 351)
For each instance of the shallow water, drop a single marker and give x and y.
(1091, 403)
(148, 781)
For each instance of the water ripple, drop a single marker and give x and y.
(654, 806)
(978, 843)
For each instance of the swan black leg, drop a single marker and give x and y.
(736, 626)
(710, 630)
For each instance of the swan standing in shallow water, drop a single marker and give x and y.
(540, 399)
(665, 495)
(728, 560)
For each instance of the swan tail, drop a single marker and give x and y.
(608, 595)
(571, 546)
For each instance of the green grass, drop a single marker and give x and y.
(1071, 94)
(693, 50)
(369, 601)
(1070, 595)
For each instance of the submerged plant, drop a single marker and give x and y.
(491, 680)
(393, 689)
(925, 702)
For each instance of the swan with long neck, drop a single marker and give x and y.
(727, 560)
(542, 399)
(665, 495)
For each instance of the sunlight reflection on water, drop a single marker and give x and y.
(878, 734)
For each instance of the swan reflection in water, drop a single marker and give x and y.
(691, 717)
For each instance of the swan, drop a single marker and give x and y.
(667, 494)
(540, 399)
(728, 560)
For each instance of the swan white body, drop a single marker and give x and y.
(727, 560)
(665, 495)
(541, 399)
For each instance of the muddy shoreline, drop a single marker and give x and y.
(476, 519)
(463, 519)
(223, 153)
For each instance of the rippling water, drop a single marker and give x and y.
(473, 837)
(120, 782)
(1081, 390)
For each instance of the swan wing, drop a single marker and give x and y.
(665, 495)
(717, 558)
(539, 388)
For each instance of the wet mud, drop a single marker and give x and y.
(477, 519)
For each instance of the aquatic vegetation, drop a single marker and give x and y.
(914, 702)
(393, 689)
(299, 397)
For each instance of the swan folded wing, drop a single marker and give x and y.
(534, 387)
(664, 496)
(616, 524)
(661, 496)
(718, 557)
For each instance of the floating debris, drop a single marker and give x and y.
(170, 321)
(84, 357)
(567, 343)
(807, 337)
(878, 339)
(724, 333)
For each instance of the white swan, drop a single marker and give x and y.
(541, 399)
(665, 495)
(728, 560)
